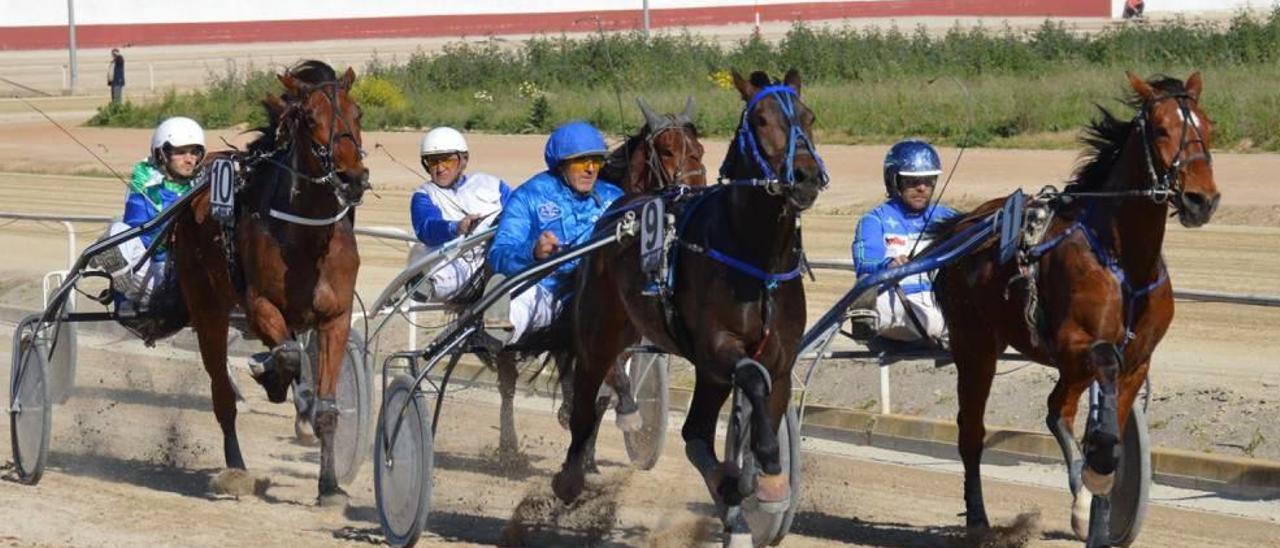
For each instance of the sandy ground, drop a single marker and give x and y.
(140, 431)
(135, 448)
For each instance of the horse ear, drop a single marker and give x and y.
(1140, 86)
(745, 88)
(792, 79)
(652, 119)
(687, 115)
(348, 78)
(290, 83)
(1194, 85)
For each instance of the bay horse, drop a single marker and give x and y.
(736, 305)
(291, 261)
(1103, 292)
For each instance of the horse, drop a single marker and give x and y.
(1095, 288)
(736, 307)
(291, 261)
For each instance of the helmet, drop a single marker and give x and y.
(912, 158)
(443, 140)
(175, 132)
(572, 140)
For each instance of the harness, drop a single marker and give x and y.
(654, 162)
(1165, 186)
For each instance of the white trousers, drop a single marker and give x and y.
(448, 280)
(896, 325)
(532, 310)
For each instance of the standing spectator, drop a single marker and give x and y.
(1133, 9)
(115, 76)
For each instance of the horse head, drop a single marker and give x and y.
(319, 118)
(671, 155)
(775, 138)
(1176, 135)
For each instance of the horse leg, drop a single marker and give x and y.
(975, 369)
(1103, 436)
(1063, 403)
(211, 324)
(564, 370)
(508, 444)
(774, 488)
(699, 433)
(628, 413)
(753, 382)
(331, 339)
(602, 327)
(286, 359)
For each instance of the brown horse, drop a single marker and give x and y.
(737, 327)
(1104, 296)
(293, 259)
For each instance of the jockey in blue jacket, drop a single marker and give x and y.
(890, 233)
(452, 204)
(177, 148)
(556, 208)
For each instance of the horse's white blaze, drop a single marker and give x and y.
(1195, 120)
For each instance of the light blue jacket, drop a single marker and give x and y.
(891, 230)
(547, 203)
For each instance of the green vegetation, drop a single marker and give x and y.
(990, 87)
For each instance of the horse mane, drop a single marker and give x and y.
(1105, 137)
(309, 72)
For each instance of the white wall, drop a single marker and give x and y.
(1192, 6)
(23, 13)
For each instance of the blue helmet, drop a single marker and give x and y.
(572, 140)
(912, 158)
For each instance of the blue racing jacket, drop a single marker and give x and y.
(547, 203)
(891, 230)
(149, 192)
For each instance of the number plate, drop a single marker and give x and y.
(653, 234)
(222, 189)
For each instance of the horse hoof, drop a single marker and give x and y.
(773, 492)
(630, 422)
(567, 485)
(740, 540)
(304, 431)
(1098, 484)
(336, 499)
(1080, 509)
(235, 482)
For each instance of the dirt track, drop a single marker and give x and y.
(133, 453)
(134, 450)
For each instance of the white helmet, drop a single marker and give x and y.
(442, 140)
(176, 132)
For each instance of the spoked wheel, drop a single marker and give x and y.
(30, 409)
(403, 462)
(354, 400)
(769, 528)
(1133, 481)
(648, 373)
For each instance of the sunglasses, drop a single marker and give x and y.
(447, 160)
(583, 163)
(929, 181)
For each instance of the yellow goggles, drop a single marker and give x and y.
(446, 160)
(583, 163)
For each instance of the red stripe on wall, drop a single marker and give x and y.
(92, 36)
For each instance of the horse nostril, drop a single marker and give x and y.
(1194, 199)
